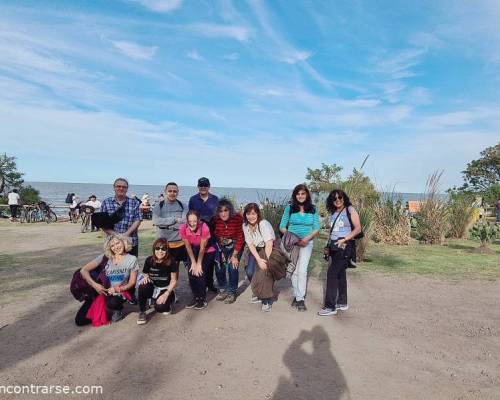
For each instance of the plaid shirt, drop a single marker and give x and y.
(132, 214)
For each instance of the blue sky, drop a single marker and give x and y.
(248, 93)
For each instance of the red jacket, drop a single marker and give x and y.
(231, 229)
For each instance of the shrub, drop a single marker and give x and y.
(460, 214)
(29, 195)
(391, 221)
(366, 220)
(485, 233)
(273, 211)
(432, 219)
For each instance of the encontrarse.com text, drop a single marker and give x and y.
(49, 389)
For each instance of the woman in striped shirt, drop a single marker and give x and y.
(302, 219)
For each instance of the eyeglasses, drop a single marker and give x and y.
(161, 248)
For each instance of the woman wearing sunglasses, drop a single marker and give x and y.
(159, 281)
(345, 225)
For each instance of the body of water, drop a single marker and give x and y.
(55, 192)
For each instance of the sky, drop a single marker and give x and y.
(248, 93)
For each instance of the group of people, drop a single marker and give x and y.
(208, 236)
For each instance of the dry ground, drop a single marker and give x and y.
(404, 337)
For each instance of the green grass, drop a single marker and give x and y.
(454, 260)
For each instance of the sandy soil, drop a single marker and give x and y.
(402, 338)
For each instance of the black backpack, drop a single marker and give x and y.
(69, 199)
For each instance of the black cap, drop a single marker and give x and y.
(203, 182)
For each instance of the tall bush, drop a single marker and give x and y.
(432, 219)
(391, 221)
(460, 213)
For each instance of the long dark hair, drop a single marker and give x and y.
(330, 200)
(252, 207)
(225, 203)
(309, 207)
(167, 259)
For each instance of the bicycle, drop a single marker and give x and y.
(73, 215)
(86, 214)
(42, 212)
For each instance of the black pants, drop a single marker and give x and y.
(113, 303)
(336, 279)
(13, 210)
(198, 284)
(146, 292)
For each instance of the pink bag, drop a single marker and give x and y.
(97, 312)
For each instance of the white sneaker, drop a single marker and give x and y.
(342, 307)
(255, 300)
(266, 307)
(325, 311)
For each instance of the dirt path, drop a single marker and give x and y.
(402, 338)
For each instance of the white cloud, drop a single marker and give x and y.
(194, 55)
(134, 50)
(240, 33)
(162, 6)
(293, 56)
(231, 56)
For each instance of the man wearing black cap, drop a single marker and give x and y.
(206, 204)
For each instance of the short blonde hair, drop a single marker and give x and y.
(127, 244)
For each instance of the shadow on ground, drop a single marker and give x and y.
(313, 374)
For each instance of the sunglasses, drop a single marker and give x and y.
(161, 248)
(121, 186)
(339, 198)
(172, 191)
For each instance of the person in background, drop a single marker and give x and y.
(205, 203)
(196, 234)
(96, 205)
(121, 273)
(301, 218)
(168, 215)
(259, 237)
(13, 200)
(342, 248)
(129, 224)
(158, 282)
(230, 238)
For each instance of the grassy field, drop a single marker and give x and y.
(453, 260)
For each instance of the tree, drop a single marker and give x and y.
(483, 173)
(323, 179)
(9, 175)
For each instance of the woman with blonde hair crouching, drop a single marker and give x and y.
(115, 280)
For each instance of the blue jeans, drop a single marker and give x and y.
(250, 269)
(226, 269)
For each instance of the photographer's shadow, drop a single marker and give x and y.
(314, 375)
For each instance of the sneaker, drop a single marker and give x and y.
(342, 307)
(200, 305)
(255, 300)
(301, 306)
(230, 299)
(141, 319)
(116, 316)
(294, 302)
(222, 296)
(167, 312)
(266, 307)
(325, 311)
(192, 303)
